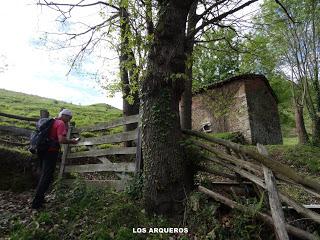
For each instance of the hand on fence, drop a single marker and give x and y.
(74, 140)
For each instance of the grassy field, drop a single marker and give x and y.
(29, 106)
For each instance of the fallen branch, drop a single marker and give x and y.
(264, 217)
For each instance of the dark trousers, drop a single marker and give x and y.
(48, 162)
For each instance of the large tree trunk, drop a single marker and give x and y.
(127, 75)
(186, 99)
(166, 179)
(300, 126)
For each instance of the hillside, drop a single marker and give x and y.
(29, 105)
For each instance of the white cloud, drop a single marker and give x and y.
(39, 71)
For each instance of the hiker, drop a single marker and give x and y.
(48, 157)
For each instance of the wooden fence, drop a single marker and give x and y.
(91, 149)
(121, 170)
(262, 172)
(18, 131)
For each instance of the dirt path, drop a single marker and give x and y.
(14, 206)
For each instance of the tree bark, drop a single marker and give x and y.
(186, 99)
(166, 179)
(300, 126)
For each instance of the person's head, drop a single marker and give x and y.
(65, 115)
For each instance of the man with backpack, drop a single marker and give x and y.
(47, 139)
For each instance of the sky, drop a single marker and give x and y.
(36, 70)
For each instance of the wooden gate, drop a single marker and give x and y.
(93, 154)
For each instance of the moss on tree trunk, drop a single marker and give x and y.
(165, 170)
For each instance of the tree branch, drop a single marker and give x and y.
(220, 17)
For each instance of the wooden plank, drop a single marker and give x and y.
(114, 138)
(16, 130)
(274, 201)
(65, 153)
(113, 167)
(103, 152)
(122, 176)
(31, 119)
(112, 124)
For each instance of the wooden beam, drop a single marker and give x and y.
(113, 167)
(16, 130)
(274, 201)
(103, 152)
(112, 124)
(31, 119)
(114, 138)
(122, 176)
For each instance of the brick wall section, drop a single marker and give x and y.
(225, 107)
(263, 113)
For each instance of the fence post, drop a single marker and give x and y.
(65, 150)
(139, 161)
(274, 200)
(44, 113)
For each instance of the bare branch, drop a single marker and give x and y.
(77, 5)
(220, 17)
(285, 10)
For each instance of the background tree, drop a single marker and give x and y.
(212, 15)
(294, 31)
(217, 57)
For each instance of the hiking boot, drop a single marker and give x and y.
(36, 205)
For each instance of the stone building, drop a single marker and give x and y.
(245, 104)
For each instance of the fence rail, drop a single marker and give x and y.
(103, 152)
(114, 138)
(104, 126)
(31, 119)
(16, 130)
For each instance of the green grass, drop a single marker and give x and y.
(84, 213)
(289, 141)
(305, 158)
(29, 106)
